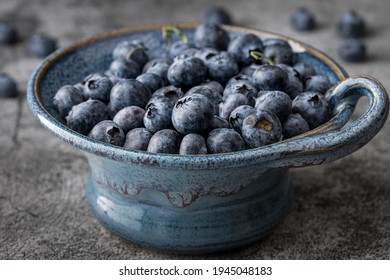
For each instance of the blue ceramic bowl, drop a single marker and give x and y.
(207, 203)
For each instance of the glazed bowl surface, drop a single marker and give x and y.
(203, 203)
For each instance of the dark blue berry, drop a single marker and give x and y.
(41, 45)
(171, 92)
(209, 35)
(152, 81)
(238, 115)
(294, 85)
(313, 106)
(217, 15)
(239, 78)
(126, 93)
(242, 87)
(214, 96)
(84, 116)
(129, 118)
(221, 67)
(131, 50)
(124, 68)
(137, 139)
(249, 70)
(280, 53)
(302, 19)
(158, 113)
(242, 45)
(270, 77)
(261, 128)
(108, 132)
(165, 141)
(205, 54)
(304, 69)
(178, 47)
(224, 140)
(98, 87)
(275, 42)
(352, 50)
(231, 102)
(351, 25)
(65, 98)
(319, 83)
(8, 33)
(277, 102)
(153, 62)
(8, 86)
(159, 68)
(218, 122)
(193, 144)
(294, 125)
(187, 72)
(192, 114)
(214, 85)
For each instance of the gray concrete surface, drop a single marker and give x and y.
(341, 210)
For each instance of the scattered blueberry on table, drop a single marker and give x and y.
(351, 25)
(8, 34)
(8, 86)
(352, 50)
(302, 19)
(41, 45)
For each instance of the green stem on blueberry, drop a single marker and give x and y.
(259, 55)
(133, 51)
(168, 30)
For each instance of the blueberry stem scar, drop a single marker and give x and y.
(259, 55)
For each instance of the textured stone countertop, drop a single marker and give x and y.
(341, 210)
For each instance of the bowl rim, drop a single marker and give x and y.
(209, 161)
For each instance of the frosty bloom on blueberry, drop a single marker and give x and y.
(217, 92)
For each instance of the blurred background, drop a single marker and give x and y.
(341, 210)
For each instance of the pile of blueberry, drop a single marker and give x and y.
(217, 93)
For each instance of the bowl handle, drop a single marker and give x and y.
(332, 140)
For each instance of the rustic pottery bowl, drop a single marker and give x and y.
(208, 203)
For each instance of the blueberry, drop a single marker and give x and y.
(8, 33)
(294, 125)
(276, 102)
(137, 139)
(231, 102)
(152, 81)
(280, 53)
(294, 85)
(313, 106)
(221, 67)
(124, 68)
(241, 46)
(214, 96)
(97, 86)
(270, 77)
(217, 15)
(304, 69)
(275, 42)
(239, 78)
(158, 113)
(8, 86)
(209, 35)
(192, 114)
(108, 132)
(131, 50)
(352, 50)
(126, 93)
(261, 128)
(218, 122)
(41, 45)
(302, 19)
(129, 118)
(242, 87)
(159, 68)
(206, 54)
(351, 25)
(249, 69)
(238, 115)
(319, 83)
(224, 140)
(165, 141)
(187, 72)
(178, 47)
(65, 98)
(171, 92)
(84, 116)
(193, 144)
(214, 85)
(153, 62)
